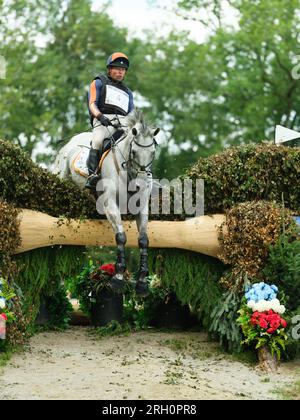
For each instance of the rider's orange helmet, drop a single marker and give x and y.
(118, 59)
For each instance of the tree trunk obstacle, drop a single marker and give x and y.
(199, 234)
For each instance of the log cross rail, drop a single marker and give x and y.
(199, 234)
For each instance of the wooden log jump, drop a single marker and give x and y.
(199, 234)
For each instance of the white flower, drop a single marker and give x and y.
(2, 303)
(251, 304)
(266, 305)
(261, 306)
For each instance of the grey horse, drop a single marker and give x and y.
(125, 175)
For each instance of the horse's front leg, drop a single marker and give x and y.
(117, 281)
(143, 241)
(114, 217)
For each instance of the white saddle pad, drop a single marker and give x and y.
(79, 162)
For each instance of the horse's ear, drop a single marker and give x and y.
(134, 131)
(156, 131)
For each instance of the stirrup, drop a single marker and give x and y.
(91, 181)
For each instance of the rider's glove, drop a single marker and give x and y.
(104, 120)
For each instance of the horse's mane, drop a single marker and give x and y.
(137, 117)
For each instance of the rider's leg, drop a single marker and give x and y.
(99, 134)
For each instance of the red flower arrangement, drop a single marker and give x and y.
(263, 329)
(269, 321)
(108, 268)
(102, 272)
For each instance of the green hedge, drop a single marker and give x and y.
(193, 277)
(41, 276)
(27, 185)
(250, 173)
(239, 174)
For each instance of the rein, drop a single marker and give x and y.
(128, 163)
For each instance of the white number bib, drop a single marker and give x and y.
(117, 97)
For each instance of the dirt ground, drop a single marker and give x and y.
(76, 365)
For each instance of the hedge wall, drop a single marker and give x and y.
(27, 185)
(250, 173)
(239, 174)
(256, 175)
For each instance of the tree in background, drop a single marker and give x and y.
(238, 84)
(232, 88)
(43, 98)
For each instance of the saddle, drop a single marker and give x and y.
(107, 142)
(79, 162)
(107, 146)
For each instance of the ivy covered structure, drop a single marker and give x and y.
(258, 189)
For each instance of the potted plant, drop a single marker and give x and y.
(6, 314)
(262, 324)
(164, 310)
(96, 296)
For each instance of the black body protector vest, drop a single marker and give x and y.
(114, 97)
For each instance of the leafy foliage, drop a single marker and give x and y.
(26, 185)
(58, 306)
(283, 267)
(41, 274)
(9, 228)
(237, 84)
(250, 173)
(51, 87)
(224, 321)
(192, 277)
(246, 234)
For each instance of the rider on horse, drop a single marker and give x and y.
(107, 97)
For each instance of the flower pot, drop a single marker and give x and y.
(267, 362)
(108, 307)
(43, 316)
(173, 315)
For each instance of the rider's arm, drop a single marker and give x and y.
(94, 96)
(131, 104)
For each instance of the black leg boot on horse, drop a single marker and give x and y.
(141, 286)
(92, 164)
(117, 282)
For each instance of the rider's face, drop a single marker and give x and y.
(117, 73)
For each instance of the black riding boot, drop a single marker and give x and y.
(92, 164)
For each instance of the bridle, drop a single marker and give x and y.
(131, 160)
(128, 164)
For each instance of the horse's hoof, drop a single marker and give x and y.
(117, 283)
(142, 288)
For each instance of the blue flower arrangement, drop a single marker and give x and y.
(261, 291)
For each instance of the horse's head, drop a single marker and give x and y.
(142, 143)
